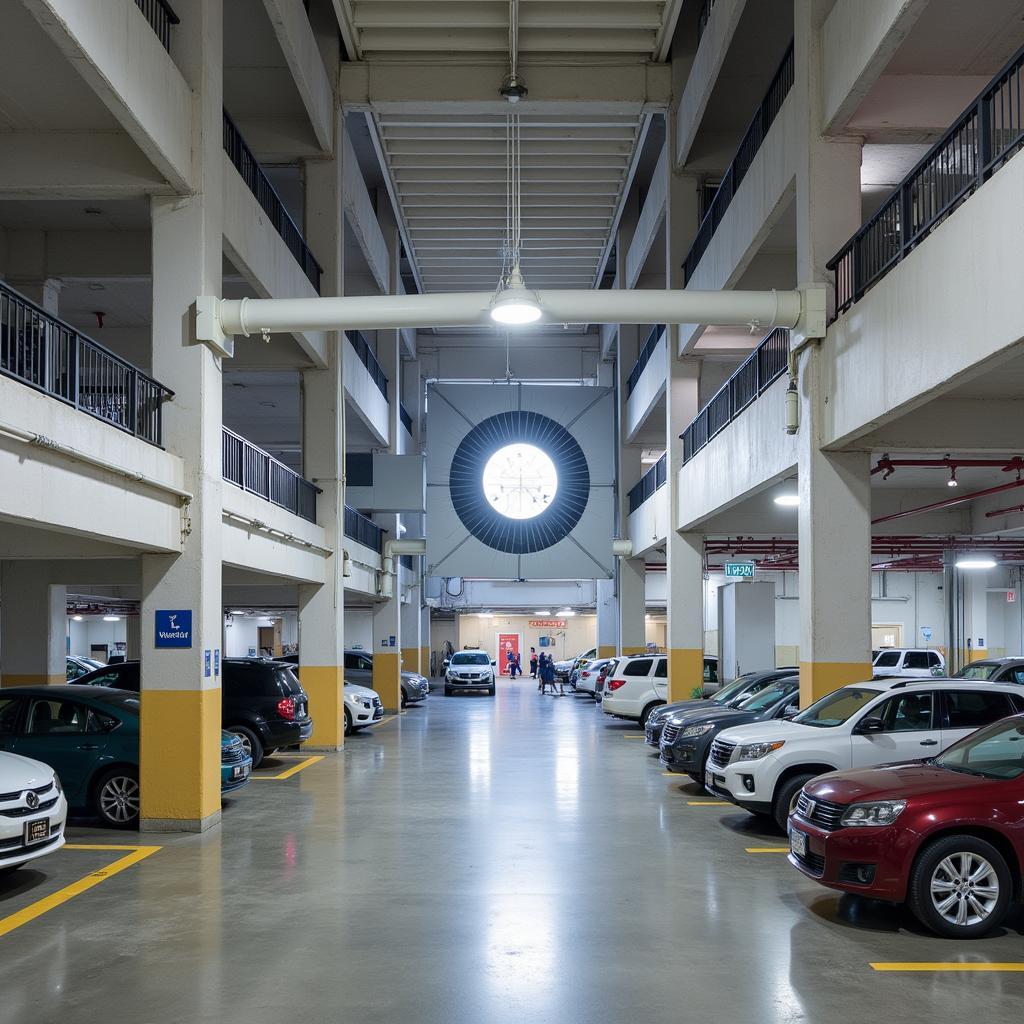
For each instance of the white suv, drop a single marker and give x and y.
(637, 685)
(762, 767)
(904, 661)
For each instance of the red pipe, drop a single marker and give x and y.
(1004, 511)
(947, 502)
(887, 465)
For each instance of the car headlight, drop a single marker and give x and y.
(695, 730)
(367, 704)
(56, 783)
(755, 751)
(877, 812)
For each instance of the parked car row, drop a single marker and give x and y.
(902, 789)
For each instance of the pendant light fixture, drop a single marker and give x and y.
(513, 304)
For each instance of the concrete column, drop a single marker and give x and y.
(835, 495)
(181, 699)
(322, 607)
(387, 614)
(425, 641)
(410, 622)
(33, 626)
(978, 634)
(43, 292)
(607, 619)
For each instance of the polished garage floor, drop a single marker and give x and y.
(513, 860)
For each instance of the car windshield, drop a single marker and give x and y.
(993, 753)
(979, 670)
(471, 658)
(887, 659)
(837, 707)
(123, 701)
(726, 693)
(768, 696)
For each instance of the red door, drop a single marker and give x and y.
(507, 643)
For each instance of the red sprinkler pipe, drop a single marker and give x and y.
(1004, 511)
(947, 502)
(888, 466)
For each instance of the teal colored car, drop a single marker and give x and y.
(90, 736)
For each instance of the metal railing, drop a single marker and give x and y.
(741, 162)
(981, 140)
(52, 356)
(754, 375)
(266, 195)
(259, 473)
(704, 17)
(405, 417)
(644, 358)
(161, 17)
(368, 359)
(654, 478)
(362, 530)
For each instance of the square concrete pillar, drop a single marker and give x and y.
(33, 626)
(607, 619)
(181, 614)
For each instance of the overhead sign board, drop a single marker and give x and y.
(739, 570)
(173, 628)
(546, 623)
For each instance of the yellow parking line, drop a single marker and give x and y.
(386, 721)
(945, 966)
(708, 803)
(289, 772)
(767, 849)
(627, 737)
(47, 903)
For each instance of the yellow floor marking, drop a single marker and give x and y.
(993, 967)
(708, 803)
(47, 903)
(289, 772)
(767, 849)
(385, 721)
(634, 737)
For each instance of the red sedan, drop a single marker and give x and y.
(946, 836)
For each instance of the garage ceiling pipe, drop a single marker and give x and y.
(889, 466)
(947, 502)
(791, 309)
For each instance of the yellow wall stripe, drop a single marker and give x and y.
(946, 966)
(325, 687)
(685, 672)
(386, 678)
(820, 678)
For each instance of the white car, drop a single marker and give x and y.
(469, 670)
(906, 661)
(33, 811)
(762, 767)
(639, 684)
(363, 707)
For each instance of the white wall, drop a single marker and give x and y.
(359, 628)
(242, 633)
(93, 630)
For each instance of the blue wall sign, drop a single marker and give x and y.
(174, 628)
(216, 661)
(206, 663)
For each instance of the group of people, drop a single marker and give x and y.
(542, 668)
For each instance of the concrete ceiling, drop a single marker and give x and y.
(479, 29)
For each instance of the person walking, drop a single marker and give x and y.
(517, 666)
(533, 662)
(540, 672)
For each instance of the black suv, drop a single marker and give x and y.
(261, 701)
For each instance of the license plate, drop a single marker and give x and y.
(239, 771)
(709, 780)
(798, 842)
(37, 831)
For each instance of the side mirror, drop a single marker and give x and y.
(494, 664)
(790, 712)
(871, 725)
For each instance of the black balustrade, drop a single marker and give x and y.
(369, 360)
(748, 149)
(983, 138)
(405, 417)
(362, 530)
(759, 370)
(654, 478)
(50, 355)
(161, 17)
(266, 195)
(644, 358)
(259, 473)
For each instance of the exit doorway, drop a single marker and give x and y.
(886, 635)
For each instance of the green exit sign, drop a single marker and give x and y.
(739, 570)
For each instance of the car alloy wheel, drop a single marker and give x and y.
(119, 799)
(964, 889)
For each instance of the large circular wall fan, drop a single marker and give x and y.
(519, 482)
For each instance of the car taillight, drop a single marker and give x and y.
(614, 684)
(286, 707)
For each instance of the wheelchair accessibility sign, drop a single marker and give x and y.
(174, 628)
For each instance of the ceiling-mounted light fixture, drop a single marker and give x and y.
(111, 618)
(543, 611)
(951, 482)
(975, 562)
(514, 304)
(788, 500)
(513, 88)
(77, 618)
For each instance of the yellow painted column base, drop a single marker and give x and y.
(410, 659)
(820, 678)
(325, 687)
(425, 662)
(606, 651)
(179, 760)
(978, 654)
(685, 672)
(31, 679)
(387, 679)
(629, 651)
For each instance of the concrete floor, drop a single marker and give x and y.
(514, 860)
